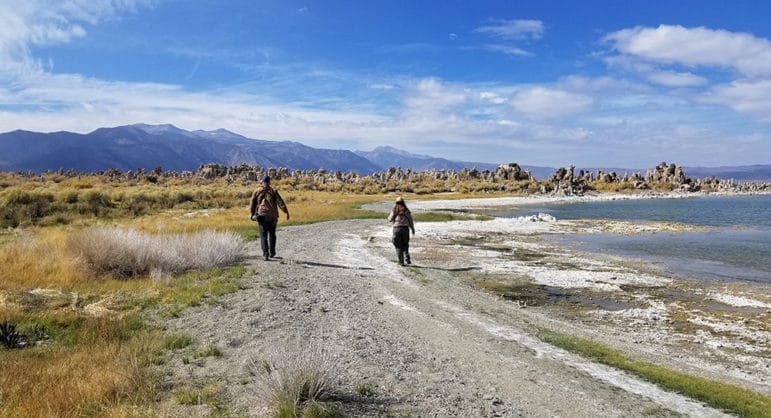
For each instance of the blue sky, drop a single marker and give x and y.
(592, 83)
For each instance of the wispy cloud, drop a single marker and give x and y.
(31, 23)
(514, 29)
(507, 49)
(510, 31)
(676, 79)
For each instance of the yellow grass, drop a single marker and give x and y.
(81, 380)
(39, 260)
(304, 207)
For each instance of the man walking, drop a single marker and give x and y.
(264, 208)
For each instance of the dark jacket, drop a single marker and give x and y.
(266, 201)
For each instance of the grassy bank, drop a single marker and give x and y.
(730, 398)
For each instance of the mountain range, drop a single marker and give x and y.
(148, 146)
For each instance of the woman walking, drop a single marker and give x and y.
(402, 219)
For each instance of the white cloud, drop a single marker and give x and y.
(645, 50)
(514, 29)
(430, 97)
(548, 103)
(507, 49)
(700, 46)
(491, 97)
(752, 97)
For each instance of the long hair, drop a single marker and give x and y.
(400, 208)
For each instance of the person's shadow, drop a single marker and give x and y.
(339, 266)
(335, 266)
(455, 269)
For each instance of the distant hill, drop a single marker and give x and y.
(148, 146)
(385, 156)
(759, 173)
(739, 173)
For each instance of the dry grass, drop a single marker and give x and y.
(103, 378)
(125, 253)
(304, 206)
(96, 366)
(37, 260)
(291, 379)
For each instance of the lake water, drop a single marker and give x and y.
(737, 245)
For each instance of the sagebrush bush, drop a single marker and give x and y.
(126, 253)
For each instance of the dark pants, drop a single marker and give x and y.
(268, 236)
(401, 240)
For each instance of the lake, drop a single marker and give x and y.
(737, 245)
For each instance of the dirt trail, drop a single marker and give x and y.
(426, 342)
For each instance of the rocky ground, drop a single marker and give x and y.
(437, 338)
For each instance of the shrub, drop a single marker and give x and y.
(125, 253)
(295, 379)
(21, 207)
(95, 202)
(9, 337)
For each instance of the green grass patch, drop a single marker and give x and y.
(177, 341)
(208, 351)
(728, 397)
(69, 328)
(206, 396)
(193, 288)
(188, 397)
(320, 410)
(288, 409)
(365, 390)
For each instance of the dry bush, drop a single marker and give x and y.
(125, 253)
(294, 377)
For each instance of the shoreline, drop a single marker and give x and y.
(721, 329)
(416, 204)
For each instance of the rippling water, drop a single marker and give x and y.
(736, 247)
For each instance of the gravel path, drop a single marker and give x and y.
(424, 341)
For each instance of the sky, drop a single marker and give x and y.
(616, 83)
